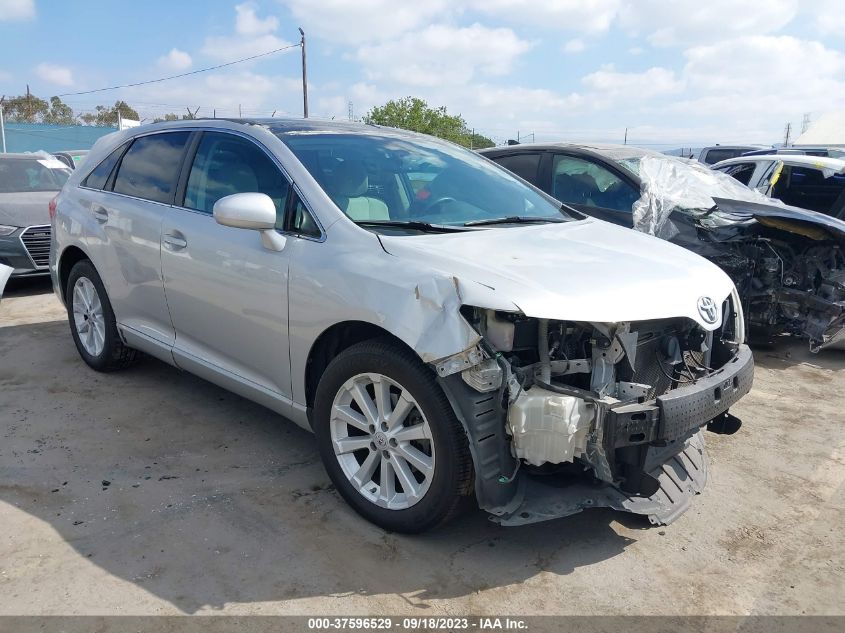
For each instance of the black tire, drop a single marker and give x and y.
(453, 471)
(114, 355)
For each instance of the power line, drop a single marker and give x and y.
(193, 72)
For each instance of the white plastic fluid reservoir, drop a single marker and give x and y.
(548, 426)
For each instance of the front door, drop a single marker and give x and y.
(593, 189)
(227, 294)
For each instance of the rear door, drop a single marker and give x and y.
(128, 195)
(227, 294)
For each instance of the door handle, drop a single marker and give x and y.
(175, 241)
(100, 214)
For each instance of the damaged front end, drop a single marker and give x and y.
(563, 416)
(790, 271)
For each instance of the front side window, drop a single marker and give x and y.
(226, 164)
(809, 188)
(579, 181)
(19, 175)
(376, 178)
(150, 168)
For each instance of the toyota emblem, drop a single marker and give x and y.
(708, 309)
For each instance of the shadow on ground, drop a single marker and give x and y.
(788, 351)
(203, 498)
(18, 287)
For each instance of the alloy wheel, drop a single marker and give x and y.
(382, 441)
(88, 316)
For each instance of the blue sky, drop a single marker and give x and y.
(675, 73)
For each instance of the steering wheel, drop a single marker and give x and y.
(431, 206)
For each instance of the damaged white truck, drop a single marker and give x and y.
(445, 329)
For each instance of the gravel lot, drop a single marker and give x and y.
(150, 491)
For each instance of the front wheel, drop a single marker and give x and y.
(389, 438)
(92, 322)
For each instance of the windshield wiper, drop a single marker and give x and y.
(514, 219)
(410, 224)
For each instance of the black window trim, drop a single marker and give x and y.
(110, 178)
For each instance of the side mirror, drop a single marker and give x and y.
(254, 211)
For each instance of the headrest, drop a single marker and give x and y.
(349, 179)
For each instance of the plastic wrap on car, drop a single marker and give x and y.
(674, 184)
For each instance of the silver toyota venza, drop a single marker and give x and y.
(444, 328)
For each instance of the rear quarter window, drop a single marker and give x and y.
(150, 167)
(99, 176)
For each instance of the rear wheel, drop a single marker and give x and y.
(389, 438)
(92, 322)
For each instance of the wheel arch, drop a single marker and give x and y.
(334, 340)
(69, 257)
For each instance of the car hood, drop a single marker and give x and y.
(789, 216)
(26, 208)
(585, 270)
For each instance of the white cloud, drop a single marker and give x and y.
(54, 74)
(253, 36)
(175, 60)
(247, 23)
(17, 10)
(362, 21)
(440, 54)
(686, 22)
(632, 86)
(576, 45)
(828, 16)
(588, 16)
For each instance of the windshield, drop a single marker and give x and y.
(18, 175)
(383, 178)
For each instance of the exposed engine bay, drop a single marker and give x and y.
(567, 415)
(790, 274)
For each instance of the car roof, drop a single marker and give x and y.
(799, 160)
(749, 146)
(602, 149)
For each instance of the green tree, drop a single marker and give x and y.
(413, 113)
(59, 113)
(106, 116)
(25, 109)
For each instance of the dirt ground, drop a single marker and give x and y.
(150, 491)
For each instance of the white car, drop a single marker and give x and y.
(816, 183)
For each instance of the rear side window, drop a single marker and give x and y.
(226, 164)
(150, 168)
(523, 165)
(98, 178)
(714, 156)
(741, 172)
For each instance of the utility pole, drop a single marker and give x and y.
(2, 125)
(625, 142)
(28, 104)
(787, 134)
(304, 76)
